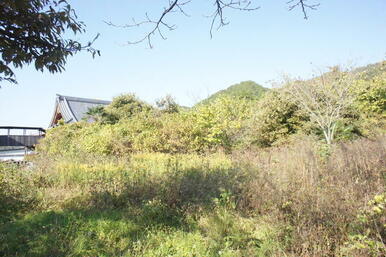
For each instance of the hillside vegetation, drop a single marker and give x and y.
(243, 90)
(233, 176)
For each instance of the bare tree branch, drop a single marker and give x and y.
(175, 5)
(243, 5)
(304, 6)
(178, 6)
(218, 18)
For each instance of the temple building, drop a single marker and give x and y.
(72, 109)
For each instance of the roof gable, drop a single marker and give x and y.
(73, 109)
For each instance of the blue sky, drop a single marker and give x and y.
(189, 65)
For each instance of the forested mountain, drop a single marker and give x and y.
(253, 91)
(244, 90)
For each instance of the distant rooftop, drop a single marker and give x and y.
(73, 109)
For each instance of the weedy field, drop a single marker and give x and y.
(249, 172)
(295, 200)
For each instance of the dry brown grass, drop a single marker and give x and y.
(317, 193)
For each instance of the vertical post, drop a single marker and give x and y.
(24, 138)
(8, 134)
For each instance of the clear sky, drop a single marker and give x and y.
(257, 46)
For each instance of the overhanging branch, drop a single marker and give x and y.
(218, 18)
(160, 24)
(303, 5)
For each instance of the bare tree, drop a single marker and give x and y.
(167, 104)
(217, 16)
(324, 98)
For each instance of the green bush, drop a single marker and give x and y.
(275, 119)
(122, 107)
(219, 123)
(370, 104)
(206, 128)
(369, 232)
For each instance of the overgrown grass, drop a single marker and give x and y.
(304, 199)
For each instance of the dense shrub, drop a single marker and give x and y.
(122, 107)
(205, 128)
(226, 123)
(370, 104)
(219, 123)
(275, 118)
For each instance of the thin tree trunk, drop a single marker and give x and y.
(327, 135)
(333, 131)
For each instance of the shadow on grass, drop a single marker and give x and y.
(111, 219)
(107, 232)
